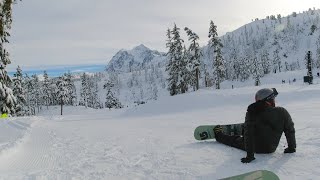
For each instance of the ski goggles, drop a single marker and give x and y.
(272, 95)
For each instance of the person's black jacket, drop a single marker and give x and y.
(264, 126)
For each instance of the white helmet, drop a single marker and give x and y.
(266, 94)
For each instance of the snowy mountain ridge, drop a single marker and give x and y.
(284, 38)
(138, 58)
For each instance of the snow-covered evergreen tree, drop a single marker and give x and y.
(62, 92)
(53, 89)
(46, 90)
(276, 61)
(115, 79)
(7, 99)
(194, 53)
(29, 86)
(265, 62)
(317, 61)
(72, 96)
(218, 61)
(244, 69)
(36, 93)
(184, 72)
(257, 71)
(95, 97)
(154, 91)
(19, 93)
(308, 63)
(111, 100)
(85, 90)
(175, 59)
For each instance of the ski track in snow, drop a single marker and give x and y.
(122, 144)
(49, 151)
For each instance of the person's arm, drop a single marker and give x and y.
(249, 140)
(289, 132)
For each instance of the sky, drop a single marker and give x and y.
(50, 33)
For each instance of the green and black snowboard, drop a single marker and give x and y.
(255, 175)
(205, 132)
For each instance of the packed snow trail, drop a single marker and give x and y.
(155, 140)
(78, 147)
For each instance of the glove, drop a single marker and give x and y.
(247, 159)
(290, 150)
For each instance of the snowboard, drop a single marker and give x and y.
(255, 175)
(205, 132)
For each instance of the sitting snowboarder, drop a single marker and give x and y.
(263, 127)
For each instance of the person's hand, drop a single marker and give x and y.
(290, 150)
(247, 159)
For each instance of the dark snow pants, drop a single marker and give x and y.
(233, 141)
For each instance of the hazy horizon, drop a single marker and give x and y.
(58, 70)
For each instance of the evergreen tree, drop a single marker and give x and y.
(90, 92)
(46, 95)
(179, 60)
(317, 63)
(236, 68)
(276, 61)
(265, 62)
(111, 100)
(244, 69)
(72, 96)
(85, 90)
(308, 63)
(257, 71)
(27, 86)
(194, 57)
(31, 94)
(170, 67)
(185, 72)
(19, 93)
(279, 18)
(95, 97)
(312, 29)
(294, 14)
(62, 92)
(218, 61)
(36, 93)
(114, 78)
(176, 66)
(154, 91)
(53, 89)
(7, 99)
(206, 75)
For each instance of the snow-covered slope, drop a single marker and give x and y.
(155, 140)
(287, 38)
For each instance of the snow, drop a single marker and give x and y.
(155, 140)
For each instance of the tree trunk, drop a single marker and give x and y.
(61, 105)
(197, 79)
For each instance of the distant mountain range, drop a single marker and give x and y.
(56, 71)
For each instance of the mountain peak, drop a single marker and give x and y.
(137, 58)
(141, 47)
